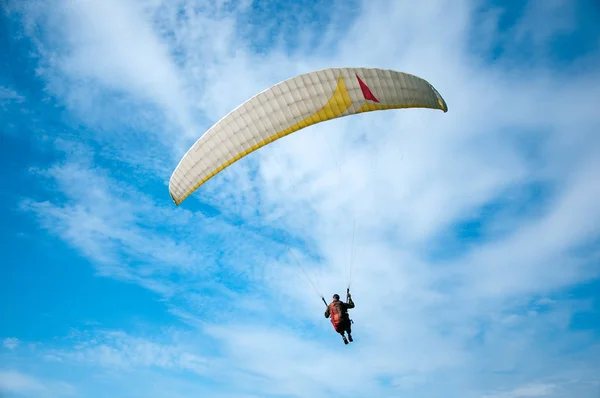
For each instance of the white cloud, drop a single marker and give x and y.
(15, 382)
(18, 382)
(9, 95)
(11, 343)
(119, 351)
(117, 48)
(531, 390)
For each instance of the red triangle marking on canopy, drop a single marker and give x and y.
(366, 91)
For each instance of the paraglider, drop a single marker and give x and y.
(292, 105)
(337, 311)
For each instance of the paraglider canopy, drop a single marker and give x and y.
(292, 105)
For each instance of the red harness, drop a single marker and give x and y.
(337, 316)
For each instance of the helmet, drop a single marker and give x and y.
(336, 296)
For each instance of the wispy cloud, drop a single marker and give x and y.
(118, 351)
(10, 342)
(532, 390)
(14, 382)
(8, 95)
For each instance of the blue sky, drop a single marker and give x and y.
(476, 256)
